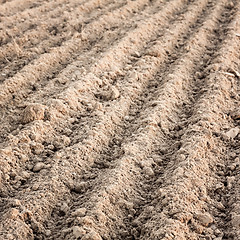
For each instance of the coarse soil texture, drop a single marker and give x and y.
(119, 119)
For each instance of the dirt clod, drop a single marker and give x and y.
(236, 221)
(38, 166)
(78, 232)
(92, 236)
(80, 212)
(80, 187)
(204, 218)
(33, 112)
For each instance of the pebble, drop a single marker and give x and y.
(115, 93)
(232, 154)
(181, 157)
(50, 147)
(80, 212)
(38, 166)
(217, 232)
(87, 220)
(148, 171)
(14, 213)
(230, 4)
(136, 54)
(29, 167)
(78, 232)
(35, 187)
(10, 237)
(64, 208)
(220, 206)
(136, 223)
(236, 221)
(230, 181)
(66, 140)
(80, 187)
(92, 236)
(204, 218)
(232, 133)
(232, 167)
(48, 233)
(15, 203)
(38, 148)
(25, 175)
(199, 75)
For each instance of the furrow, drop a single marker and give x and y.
(125, 41)
(11, 7)
(110, 200)
(224, 194)
(35, 15)
(88, 147)
(190, 16)
(52, 62)
(29, 47)
(51, 85)
(70, 106)
(183, 204)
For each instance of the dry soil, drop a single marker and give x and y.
(119, 119)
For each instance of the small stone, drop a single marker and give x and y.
(29, 167)
(88, 220)
(80, 187)
(64, 208)
(230, 181)
(181, 157)
(38, 149)
(136, 54)
(50, 147)
(220, 206)
(148, 171)
(199, 75)
(35, 186)
(92, 236)
(136, 223)
(236, 221)
(48, 166)
(232, 167)
(66, 140)
(217, 232)
(38, 166)
(232, 133)
(78, 232)
(230, 5)
(25, 175)
(80, 212)
(15, 203)
(14, 213)
(204, 218)
(48, 233)
(232, 154)
(115, 93)
(10, 237)
(126, 118)
(219, 186)
(221, 173)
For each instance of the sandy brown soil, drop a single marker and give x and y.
(119, 119)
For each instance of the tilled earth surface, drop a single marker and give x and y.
(119, 119)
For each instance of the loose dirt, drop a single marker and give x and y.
(119, 119)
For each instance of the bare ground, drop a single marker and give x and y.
(119, 119)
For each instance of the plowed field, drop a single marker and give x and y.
(119, 119)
